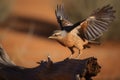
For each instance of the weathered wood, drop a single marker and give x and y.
(68, 69)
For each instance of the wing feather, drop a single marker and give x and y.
(98, 22)
(93, 31)
(62, 18)
(90, 32)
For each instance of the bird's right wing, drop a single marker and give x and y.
(61, 18)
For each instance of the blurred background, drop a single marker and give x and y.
(26, 24)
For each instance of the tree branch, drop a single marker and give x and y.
(68, 69)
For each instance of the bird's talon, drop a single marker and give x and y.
(78, 56)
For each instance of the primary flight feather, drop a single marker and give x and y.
(78, 35)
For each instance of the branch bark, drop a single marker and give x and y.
(68, 69)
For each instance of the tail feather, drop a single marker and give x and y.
(94, 42)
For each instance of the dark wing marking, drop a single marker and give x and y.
(98, 22)
(62, 19)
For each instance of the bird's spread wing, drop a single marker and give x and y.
(94, 26)
(61, 18)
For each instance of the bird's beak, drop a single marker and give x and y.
(51, 37)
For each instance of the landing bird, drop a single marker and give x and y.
(79, 35)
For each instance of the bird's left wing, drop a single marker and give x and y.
(62, 19)
(94, 26)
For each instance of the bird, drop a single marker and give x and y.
(78, 35)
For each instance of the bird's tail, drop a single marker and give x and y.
(91, 43)
(94, 42)
(4, 59)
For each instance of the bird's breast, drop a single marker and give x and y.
(67, 41)
(72, 40)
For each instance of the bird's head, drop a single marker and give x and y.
(58, 35)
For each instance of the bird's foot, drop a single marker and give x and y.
(78, 56)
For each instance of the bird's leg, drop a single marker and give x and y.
(79, 53)
(72, 51)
